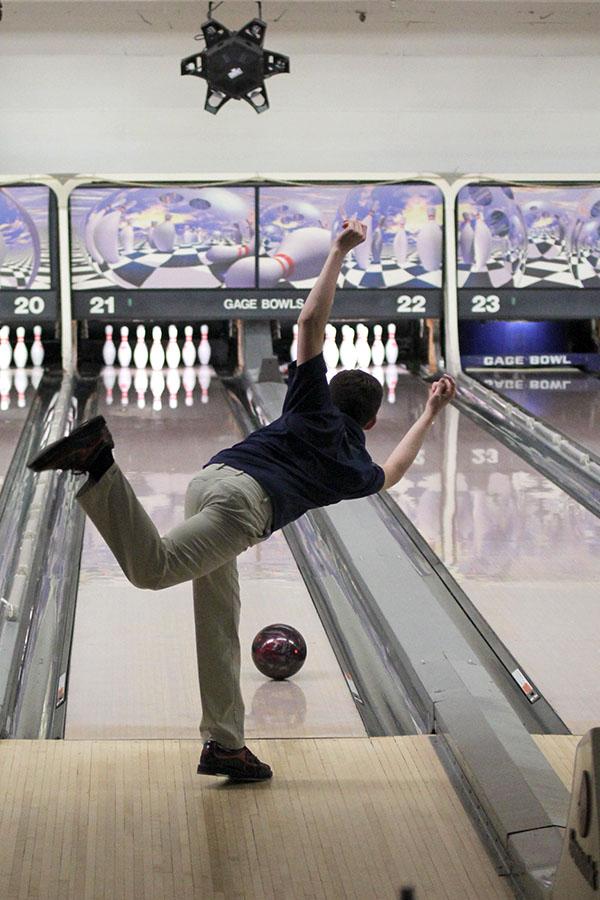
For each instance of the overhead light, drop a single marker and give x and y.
(234, 64)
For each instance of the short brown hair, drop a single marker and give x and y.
(357, 394)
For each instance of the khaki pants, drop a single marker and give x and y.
(226, 511)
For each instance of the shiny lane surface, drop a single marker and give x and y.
(568, 400)
(133, 667)
(14, 407)
(526, 554)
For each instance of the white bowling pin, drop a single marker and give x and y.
(140, 384)
(37, 348)
(106, 237)
(157, 354)
(109, 376)
(173, 385)
(401, 244)
(5, 348)
(157, 386)
(377, 350)
(331, 354)
(140, 354)
(164, 236)
(377, 244)
(187, 235)
(301, 255)
(347, 348)
(36, 376)
(363, 351)
(391, 347)
(124, 384)
(109, 351)
(20, 354)
(224, 253)
(391, 380)
(429, 243)
(5, 383)
(466, 241)
(294, 344)
(204, 378)
(362, 253)
(189, 383)
(173, 354)
(21, 387)
(127, 235)
(124, 352)
(204, 349)
(188, 354)
(482, 244)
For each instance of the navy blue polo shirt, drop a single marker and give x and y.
(312, 455)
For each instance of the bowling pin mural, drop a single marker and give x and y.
(164, 235)
(482, 244)
(106, 237)
(465, 240)
(362, 253)
(429, 243)
(377, 241)
(2, 248)
(127, 237)
(401, 243)
(301, 255)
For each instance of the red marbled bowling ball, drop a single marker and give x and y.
(278, 651)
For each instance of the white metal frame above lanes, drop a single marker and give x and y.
(63, 227)
(222, 179)
(452, 345)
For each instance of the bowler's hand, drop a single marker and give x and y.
(353, 234)
(440, 394)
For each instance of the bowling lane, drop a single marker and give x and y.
(566, 399)
(133, 665)
(526, 554)
(16, 393)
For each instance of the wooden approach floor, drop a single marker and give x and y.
(350, 817)
(354, 817)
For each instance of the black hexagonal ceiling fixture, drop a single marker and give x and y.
(234, 64)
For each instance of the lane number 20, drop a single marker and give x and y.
(29, 306)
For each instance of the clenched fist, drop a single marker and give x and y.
(353, 234)
(440, 394)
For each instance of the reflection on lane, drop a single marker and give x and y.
(17, 390)
(526, 554)
(568, 400)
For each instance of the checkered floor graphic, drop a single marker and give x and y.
(16, 275)
(548, 263)
(188, 266)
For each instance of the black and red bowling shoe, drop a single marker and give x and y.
(239, 765)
